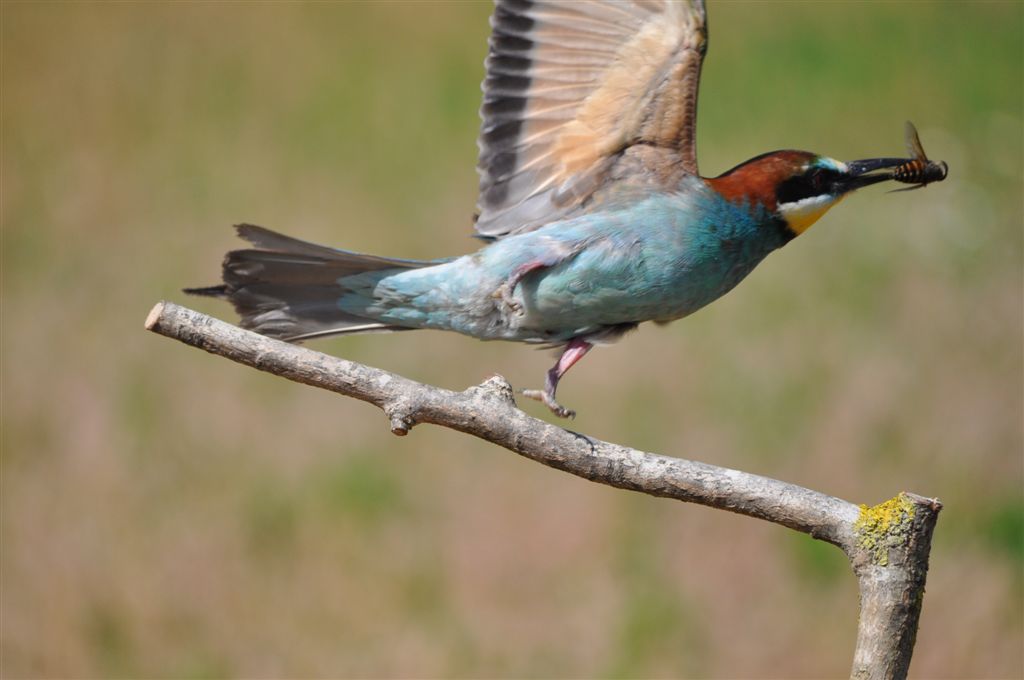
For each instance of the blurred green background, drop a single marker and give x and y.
(169, 514)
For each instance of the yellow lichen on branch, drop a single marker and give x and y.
(883, 526)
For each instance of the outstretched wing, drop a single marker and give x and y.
(569, 86)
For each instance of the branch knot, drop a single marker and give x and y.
(495, 387)
(401, 414)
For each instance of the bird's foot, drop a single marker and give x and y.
(573, 352)
(505, 293)
(549, 400)
(505, 299)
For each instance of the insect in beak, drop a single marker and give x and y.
(917, 170)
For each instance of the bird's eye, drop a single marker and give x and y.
(808, 184)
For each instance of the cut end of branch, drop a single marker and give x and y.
(154, 315)
(400, 416)
(399, 427)
(930, 504)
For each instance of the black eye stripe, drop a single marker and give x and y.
(814, 182)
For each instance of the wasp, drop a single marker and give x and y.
(918, 171)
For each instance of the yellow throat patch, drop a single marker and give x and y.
(800, 215)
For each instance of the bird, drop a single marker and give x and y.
(594, 215)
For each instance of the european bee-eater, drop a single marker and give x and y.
(595, 214)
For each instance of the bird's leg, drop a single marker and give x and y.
(504, 292)
(572, 353)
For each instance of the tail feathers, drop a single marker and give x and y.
(289, 289)
(207, 291)
(267, 240)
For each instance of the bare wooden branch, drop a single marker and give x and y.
(888, 545)
(891, 563)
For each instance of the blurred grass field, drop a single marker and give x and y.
(168, 514)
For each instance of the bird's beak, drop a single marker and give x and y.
(869, 171)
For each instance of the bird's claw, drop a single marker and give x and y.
(507, 304)
(549, 400)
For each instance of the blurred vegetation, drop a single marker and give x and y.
(166, 514)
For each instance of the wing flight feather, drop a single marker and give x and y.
(569, 86)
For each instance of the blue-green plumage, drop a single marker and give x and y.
(647, 256)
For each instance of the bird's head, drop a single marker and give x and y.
(798, 187)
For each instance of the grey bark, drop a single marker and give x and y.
(888, 545)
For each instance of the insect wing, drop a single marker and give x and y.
(914, 147)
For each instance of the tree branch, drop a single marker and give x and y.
(888, 545)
